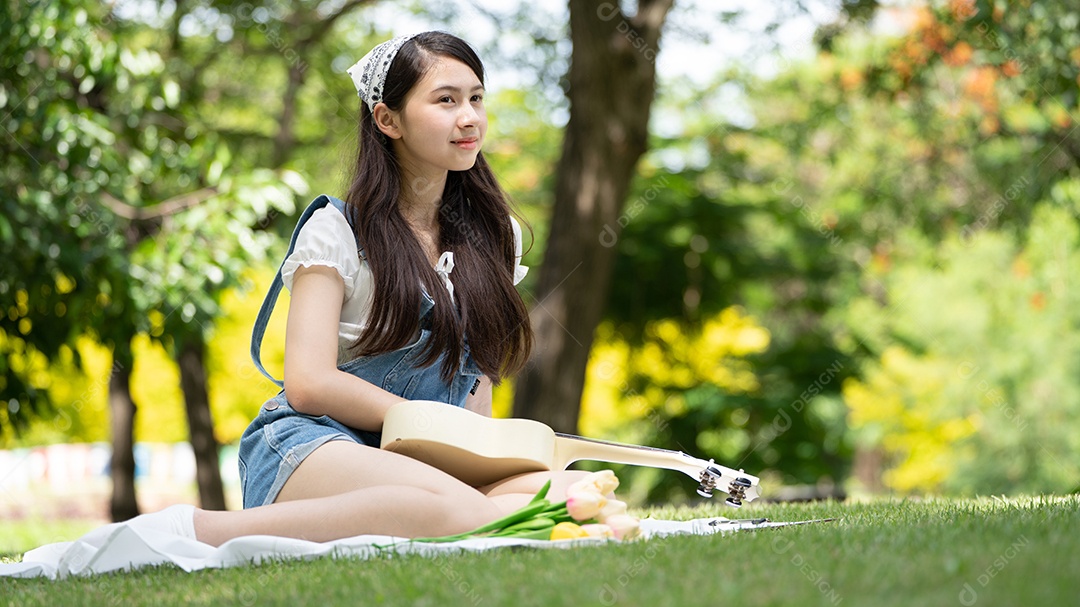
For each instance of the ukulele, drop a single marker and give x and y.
(480, 450)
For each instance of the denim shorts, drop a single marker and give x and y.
(278, 439)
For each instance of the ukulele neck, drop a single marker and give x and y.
(570, 448)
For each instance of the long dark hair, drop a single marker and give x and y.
(474, 223)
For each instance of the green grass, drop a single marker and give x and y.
(19, 536)
(1022, 551)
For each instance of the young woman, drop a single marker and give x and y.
(404, 291)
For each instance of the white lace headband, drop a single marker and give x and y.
(369, 74)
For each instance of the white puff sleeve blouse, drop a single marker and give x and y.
(327, 240)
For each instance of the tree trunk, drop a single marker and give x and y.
(123, 504)
(867, 468)
(612, 81)
(285, 138)
(200, 424)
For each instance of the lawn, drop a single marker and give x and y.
(1022, 551)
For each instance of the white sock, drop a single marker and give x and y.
(174, 520)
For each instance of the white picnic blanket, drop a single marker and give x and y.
(124, 547)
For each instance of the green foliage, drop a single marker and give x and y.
(58, 244)
(236, 389)
(861, 165)
(676, 388)
(737, 229)
(979, 395)
(959, 318)
(129, 213)
(994, 83)
(521, 147)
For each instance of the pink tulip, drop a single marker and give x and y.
(624, 526)
(584, 505)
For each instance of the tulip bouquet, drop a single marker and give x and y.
(587, 512)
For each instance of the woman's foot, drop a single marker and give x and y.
(175, 520)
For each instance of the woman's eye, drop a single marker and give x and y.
(478, 98)
(446, 99)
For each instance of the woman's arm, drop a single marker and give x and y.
(313, 383)
(481, 401)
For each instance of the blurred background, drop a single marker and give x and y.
(829, 242)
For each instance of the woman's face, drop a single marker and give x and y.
(443, 122)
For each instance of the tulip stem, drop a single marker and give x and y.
(534, 510)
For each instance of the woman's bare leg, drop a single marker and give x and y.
(344, 489)
(390, 510)
(516, 491)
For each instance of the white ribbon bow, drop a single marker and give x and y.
(444, 268)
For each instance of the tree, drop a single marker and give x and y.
(1006, 70)
(989, 87)
(975, 376)
(56, 245)
(704, 240)
(124, 177)
(58, 158)
(612, 80)
(807, 219)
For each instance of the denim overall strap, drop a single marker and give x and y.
(275, 288)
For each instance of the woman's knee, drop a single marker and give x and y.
(459, 515)
(531, 482)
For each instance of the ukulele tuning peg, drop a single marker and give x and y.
(737, 492)
(707, 482)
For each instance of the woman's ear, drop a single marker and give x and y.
(386, 120)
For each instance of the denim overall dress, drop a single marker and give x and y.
(279, 438)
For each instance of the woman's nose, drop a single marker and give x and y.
(468, 116)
